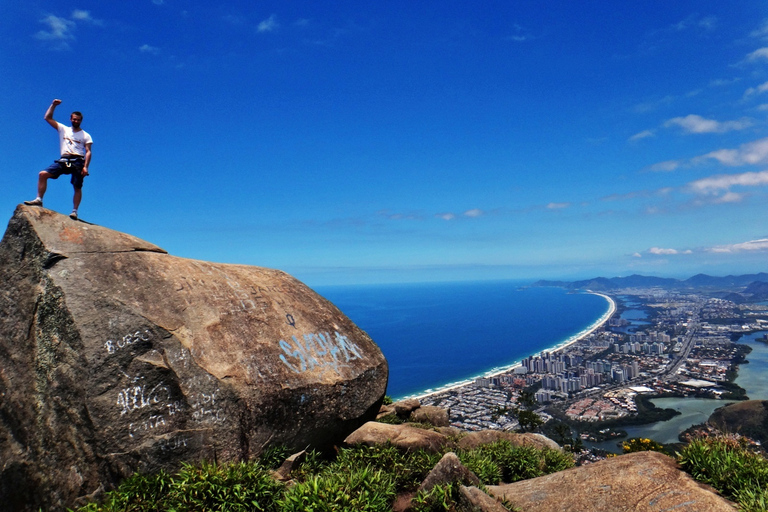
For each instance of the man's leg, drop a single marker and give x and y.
(76, 202)
(42, 185)
(77, 198)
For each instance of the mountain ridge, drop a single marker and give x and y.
(748, 287)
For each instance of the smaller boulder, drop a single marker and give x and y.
(404, 408)
(482, 437)
(472, 499)
(448, 470)
(283, 473)
(432, 415)
(402, 436)
(385, 410)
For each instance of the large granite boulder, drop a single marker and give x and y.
(117, 357)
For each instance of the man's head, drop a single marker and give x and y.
(76, 118)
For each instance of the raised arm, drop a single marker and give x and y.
(49, 114)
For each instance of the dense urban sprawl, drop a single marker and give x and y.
(685, 347)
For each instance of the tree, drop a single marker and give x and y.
(525, 413)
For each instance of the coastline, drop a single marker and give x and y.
(495, 372)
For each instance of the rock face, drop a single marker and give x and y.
(117, 357)
(637, 482)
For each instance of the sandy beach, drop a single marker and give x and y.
(557, 348)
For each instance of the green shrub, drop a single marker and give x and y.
(231, 487)
(513, 463)
(274, 456)
(438, 499)
(137, 493)
(409, 469)
(730, 467)
(483, 465)
(312, 464)
(359, 490)
(208, 487)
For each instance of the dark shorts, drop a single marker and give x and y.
(72, 166)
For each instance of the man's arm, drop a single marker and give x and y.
(87, 159)
(49, 114)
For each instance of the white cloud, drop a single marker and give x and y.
(668, 166)
(475, 212)
(80, 15)
(446, 216)
(762, 32)
(696, 124)
(750, 153)
(268, 25)
(660, 251)
(59, 29)
(722, 183)
(558, 206)
(760, 89)
(637, 255)
(642, 135)
(752, 245)
(762, 53)
(145, 48)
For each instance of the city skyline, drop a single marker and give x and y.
(400, 142)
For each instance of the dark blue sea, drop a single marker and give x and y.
(434, 335)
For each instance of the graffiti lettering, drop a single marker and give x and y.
(134, 398)
(127, 340)
(318, 350)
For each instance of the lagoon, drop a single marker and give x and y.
(695, 411)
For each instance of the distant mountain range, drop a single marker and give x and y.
(743, 288)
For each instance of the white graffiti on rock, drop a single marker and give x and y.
(319, 350)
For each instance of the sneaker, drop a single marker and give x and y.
(73, 215)
(35, 202)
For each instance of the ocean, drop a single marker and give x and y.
(434, 335)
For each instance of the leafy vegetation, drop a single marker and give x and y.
(504, 462)
(232, 487)
(362, 478)
(731, 467)
(368, 479)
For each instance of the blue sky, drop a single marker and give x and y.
(350, 142)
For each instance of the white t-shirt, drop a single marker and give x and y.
(71, 142)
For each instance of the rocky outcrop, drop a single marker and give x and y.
(448, 470)
(640, 482)
(116, 357)
(404, 437)
(472, 499)
(432, 415)
(475, 439)
(748, 418)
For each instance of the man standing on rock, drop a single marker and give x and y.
(75, 144)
